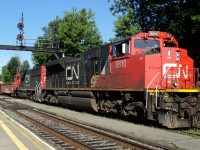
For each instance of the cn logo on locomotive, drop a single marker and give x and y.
(72, 72)
(27, 79)
(168, 66)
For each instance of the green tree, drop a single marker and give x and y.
(25, 65)
(77, 32)
(6, 77)
(14, 66)
(40, 58)
(9, 70)
(125, 24)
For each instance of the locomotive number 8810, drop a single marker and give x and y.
(146, 76)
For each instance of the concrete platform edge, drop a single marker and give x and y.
(38, 138)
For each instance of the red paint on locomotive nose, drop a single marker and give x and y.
(16, 81)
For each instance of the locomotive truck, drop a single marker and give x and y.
(146, 76)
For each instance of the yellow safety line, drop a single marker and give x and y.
(28, 137)
(35, 136)
(19, 144)
(175, 90)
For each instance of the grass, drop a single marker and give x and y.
(195, 133)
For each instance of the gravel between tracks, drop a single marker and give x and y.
(176, 140)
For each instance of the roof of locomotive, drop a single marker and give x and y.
(121, 40)
(59, 61)
(60, 64)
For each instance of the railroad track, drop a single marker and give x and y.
(67, 134)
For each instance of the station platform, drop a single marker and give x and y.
(14, 136)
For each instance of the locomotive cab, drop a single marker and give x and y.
(132, 59)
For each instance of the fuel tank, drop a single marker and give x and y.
(22, 94)
(81, 103)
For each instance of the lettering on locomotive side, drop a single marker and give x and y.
(168, 66)
(120, 63)
(27, 79)
(72, 74)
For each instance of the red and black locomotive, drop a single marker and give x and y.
(146, 76)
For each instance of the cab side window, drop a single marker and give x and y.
(121, 49)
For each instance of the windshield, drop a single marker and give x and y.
(146, 43)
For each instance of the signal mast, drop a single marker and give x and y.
(21, 44)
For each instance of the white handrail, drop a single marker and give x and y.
(148, 88)
(157, 90)
(36, 86)
(39, 86)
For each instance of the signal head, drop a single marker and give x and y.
(20, 37)
(20, 26)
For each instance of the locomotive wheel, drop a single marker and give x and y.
(31, 97)
(34, 97)
(53, 99)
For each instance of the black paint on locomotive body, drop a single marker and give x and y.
(30, 78)
(56, 72)
(71, 72)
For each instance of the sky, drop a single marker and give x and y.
(37, 14)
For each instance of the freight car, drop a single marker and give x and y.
(6, 89)
(146, 76)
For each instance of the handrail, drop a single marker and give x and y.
(148, 88)
(39, 85)
(37, 88)
(197, 76)
(157, 88)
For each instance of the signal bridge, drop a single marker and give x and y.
(29, 48)
(22, 42)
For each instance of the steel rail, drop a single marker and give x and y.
(64, 138)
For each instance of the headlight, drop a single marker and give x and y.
(175, 84)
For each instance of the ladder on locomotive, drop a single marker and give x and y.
(48, 82)
(38, 90)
